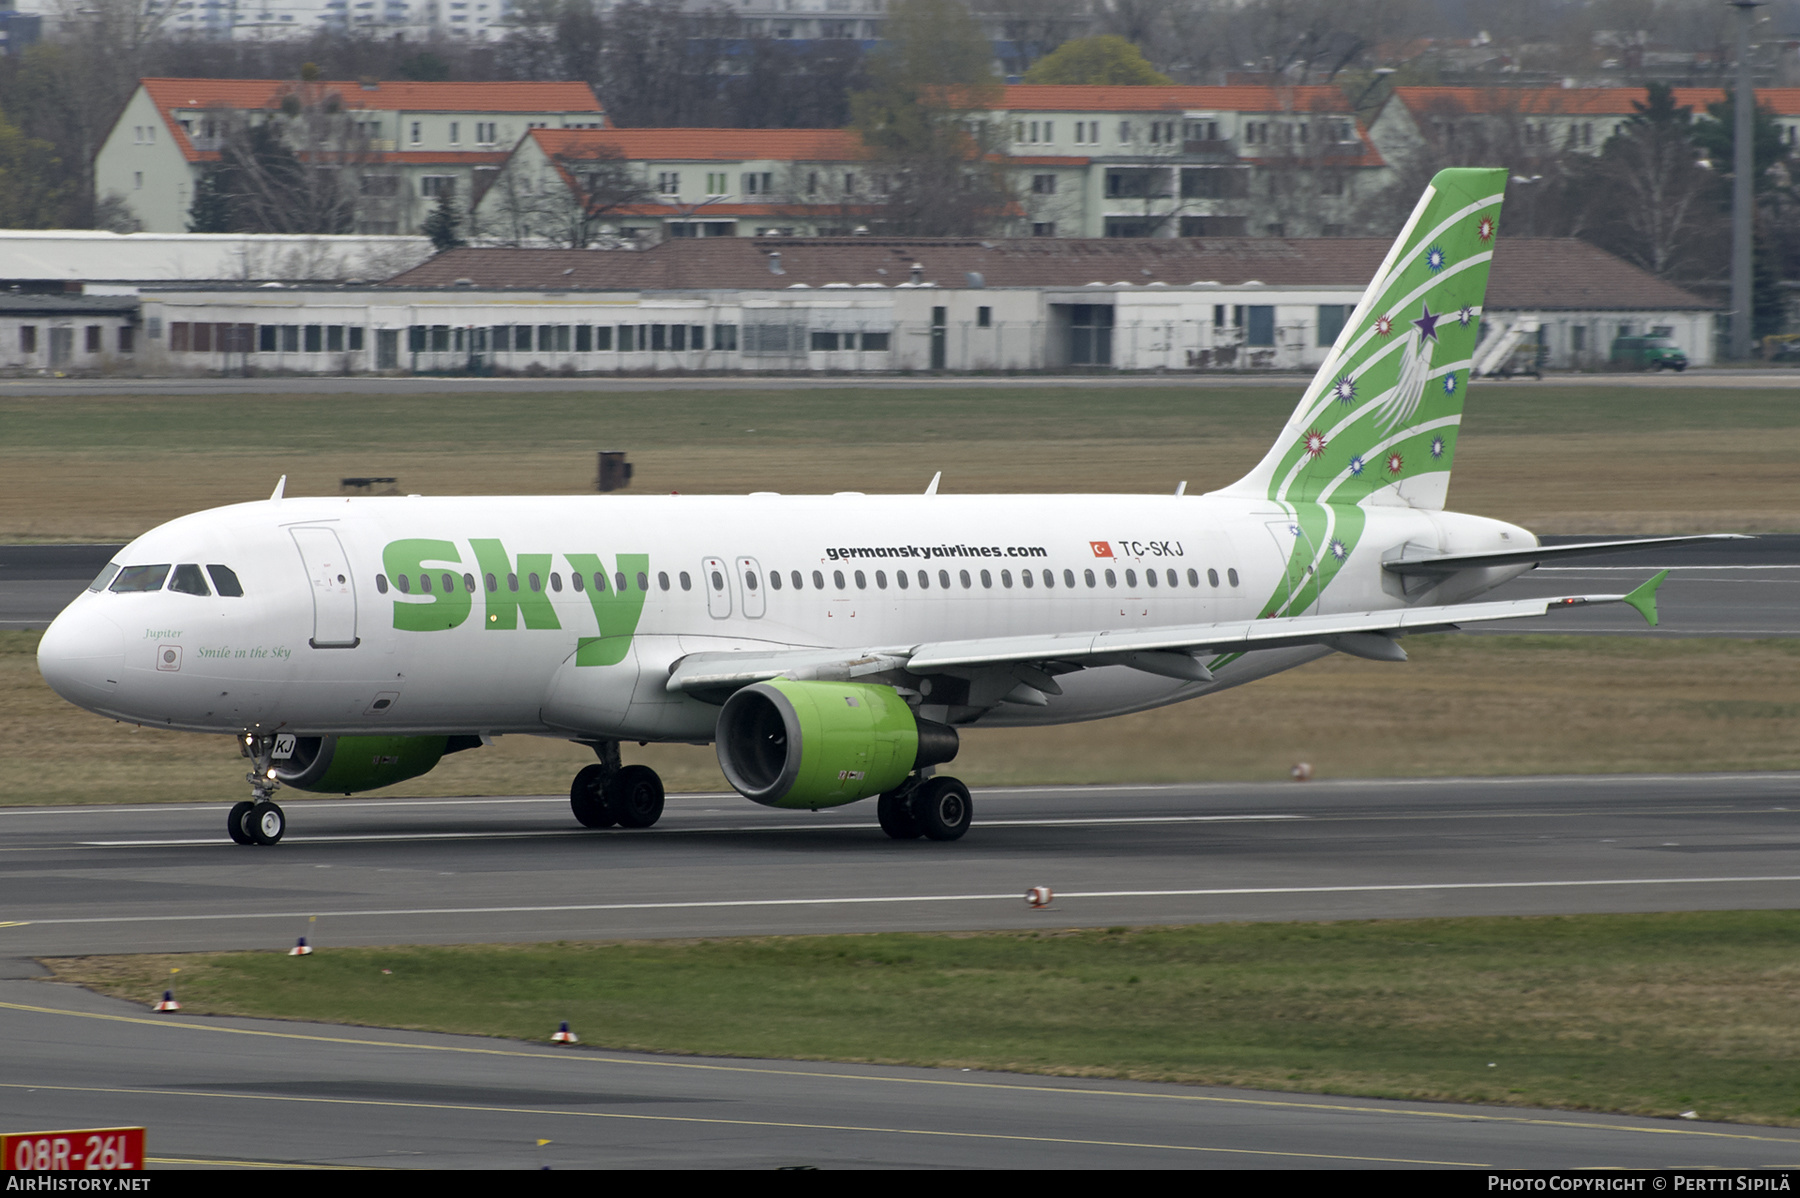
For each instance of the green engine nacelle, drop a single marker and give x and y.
(347, 764)
(822, 744)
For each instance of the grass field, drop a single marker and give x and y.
(1554, 458)
(1462, 705)
(1647, 1014)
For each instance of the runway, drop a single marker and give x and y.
(1721, 588)
(215, 1090)
(78, 880)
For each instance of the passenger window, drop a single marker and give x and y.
(492, 585)
(750, 580)
(225, 581)
(1173, 581)
(189, 581)
(774, 580)
(512, 582)
(818, 581)
(105, 576)
(643, 581)
(537, 584)
(620, 585)
(987, 580)
(1049, 578)
(599, 582)
(1069, 578)
(944, 579)
(718, 581)
(924, 581)
(1006, 579)
(901, 578)
(468, 584)
(1112, 580)
(795, 577)
(1026, 578)
(555, 581)
(140, 578)
(1231, 577)
(963, 577)
(1193, 577)
(381, 583)
(662, 580)
(425, 583)
(1087, 576)
(881, 579)
(449, 581)
(687, 584)
(1150, 577)
(579, 582)
(837, 576)
(1212, 576)
(404, 583)
(862, 581)
(1131, 578)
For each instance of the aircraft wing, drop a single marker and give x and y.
(1174, 652)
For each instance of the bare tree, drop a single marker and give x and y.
(302, 165)
(586, 189)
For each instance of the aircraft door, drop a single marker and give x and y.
(333, 588)
(751, 578)
(715, 577)
(1297, 557)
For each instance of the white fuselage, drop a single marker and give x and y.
(312, 645)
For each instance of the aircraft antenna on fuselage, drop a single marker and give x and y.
(931, 487)
(280, 486)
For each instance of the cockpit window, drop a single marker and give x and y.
(106, 576)
(188, 580)
(140, 578)
(225, 581)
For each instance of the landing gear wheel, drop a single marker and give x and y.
(894, 810)
(587, 798)
(943, 808)
(635, 797)
(234, 823)
(265, 823)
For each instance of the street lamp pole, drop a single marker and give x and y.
(1743, 187)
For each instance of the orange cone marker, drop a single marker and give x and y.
(564, 1035)
(1038, 897)
(168, 1002)
(301, 949)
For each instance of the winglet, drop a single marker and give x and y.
(1644, 598)
(280, 486)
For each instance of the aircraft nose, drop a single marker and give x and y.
(82, 655)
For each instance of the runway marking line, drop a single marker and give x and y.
(784, 1124)
(863, 900)
(588, 1056)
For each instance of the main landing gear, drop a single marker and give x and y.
(258, 820)
(935, 808)
(609, 793)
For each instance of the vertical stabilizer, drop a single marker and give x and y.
(1378, 423)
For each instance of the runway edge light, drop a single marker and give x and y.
(564, 1035)
(168, 1002)
(301, 949)
(1038, 897)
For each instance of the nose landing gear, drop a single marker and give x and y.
(609, 793)
(257, 820)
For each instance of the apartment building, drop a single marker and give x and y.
(1546, 120)
(1083, 161)
(407, 142)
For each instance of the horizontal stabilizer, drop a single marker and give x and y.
(1451, 563)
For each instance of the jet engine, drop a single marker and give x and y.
(822, 744)
(347, 764)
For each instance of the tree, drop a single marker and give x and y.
(584, 190)
(661, 66)
(1108, 58)
(924, 122)
(443, 224)
(33, 185)
(210, 211)
(296, 167)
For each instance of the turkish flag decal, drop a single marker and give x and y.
(1101, 548)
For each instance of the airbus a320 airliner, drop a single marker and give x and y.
(829, 646)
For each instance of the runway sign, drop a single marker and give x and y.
(89, 1148)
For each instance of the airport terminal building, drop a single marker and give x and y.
(876, 305)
